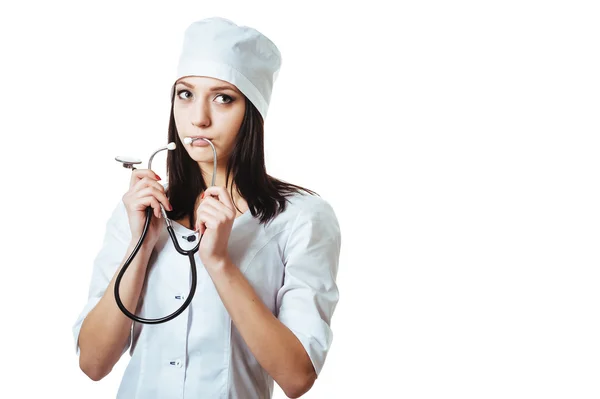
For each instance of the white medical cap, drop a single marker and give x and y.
(218, 48)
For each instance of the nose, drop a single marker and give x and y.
(201, 114)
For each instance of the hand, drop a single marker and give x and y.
(215, 216)
(145, 190)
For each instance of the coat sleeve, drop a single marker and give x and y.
(309, 294)
(114, 247)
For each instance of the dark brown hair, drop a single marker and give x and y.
(265, 195)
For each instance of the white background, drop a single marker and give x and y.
(457, 142)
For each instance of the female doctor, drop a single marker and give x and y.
(268, 258)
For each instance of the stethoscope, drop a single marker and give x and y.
(128, 162)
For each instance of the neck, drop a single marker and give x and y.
(207, 175)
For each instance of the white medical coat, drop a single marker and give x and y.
(292, 264)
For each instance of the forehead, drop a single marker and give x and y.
(205, 83)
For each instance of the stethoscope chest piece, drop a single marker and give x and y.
(127, 161)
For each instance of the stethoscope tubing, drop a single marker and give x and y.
(189, 253)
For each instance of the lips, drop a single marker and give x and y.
(200, 137)
(200, 142)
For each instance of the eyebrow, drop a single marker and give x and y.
(216, 88)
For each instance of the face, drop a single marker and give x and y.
(210, 108)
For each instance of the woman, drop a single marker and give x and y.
(268, 255)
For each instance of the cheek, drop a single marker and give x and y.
(236, 117)
(180, 118)
(230, 119)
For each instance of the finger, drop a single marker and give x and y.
(156, 207)
(216, 208)
(221, 194)
(206, 221)
(159, 191)
(149, 201)
(157, 195)
(200, 228)
(138, 174)
(147, 181)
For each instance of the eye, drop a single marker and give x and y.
(183, 91)
(227, 99)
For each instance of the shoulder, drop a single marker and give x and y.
(307, 212)
(312, 230)
(304, 207)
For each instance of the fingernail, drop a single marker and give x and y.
(157, 177)
(202, 196)
(170, 207)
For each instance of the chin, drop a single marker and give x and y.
(208, 158)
